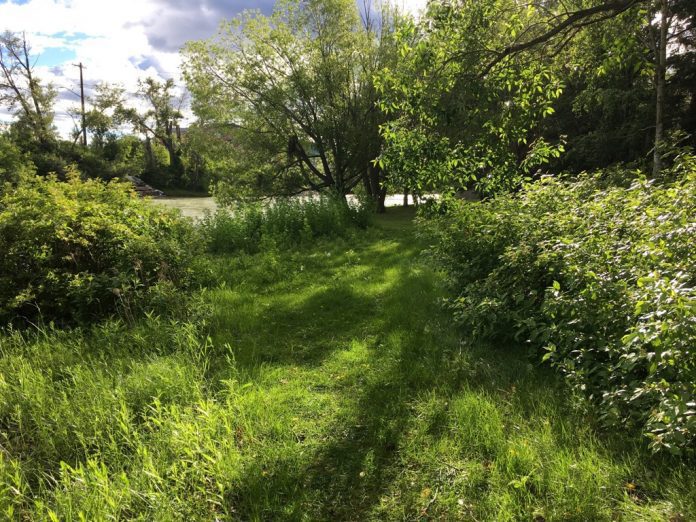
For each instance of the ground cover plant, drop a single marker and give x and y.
(294, 360)
(328, 384)
(597, 278)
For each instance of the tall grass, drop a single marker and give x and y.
(284, 222)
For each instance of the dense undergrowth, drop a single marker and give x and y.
(79, 251)
(599, 279)
(302, 371)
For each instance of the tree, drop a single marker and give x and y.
(103, 118)
(160, 121)
(630, 86)
(607, 108)
(557, 24)
(672, 41)
(453, 126)
(22, 92)
(670, 24)
(295, 92)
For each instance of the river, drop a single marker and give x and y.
(196, 207)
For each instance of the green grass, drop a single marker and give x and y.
(329, 384)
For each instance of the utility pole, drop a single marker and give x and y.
(82, 99)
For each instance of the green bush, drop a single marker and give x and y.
(285, 222)
(80, 250)
(599, 279)
(14, 164)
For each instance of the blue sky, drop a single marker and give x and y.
(118, 41)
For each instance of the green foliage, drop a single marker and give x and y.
(24, 94)
(329, 384)
(607, 110)
(456, 120)
(600, 279)
(292, 95)
(124, 156)
(14, 164)
(80, 250)
(158, 124)
(284, 223)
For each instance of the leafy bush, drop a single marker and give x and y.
(600, 279)
(285, 222)
(14, 165)
(80, 250)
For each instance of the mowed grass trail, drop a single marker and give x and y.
(333, 386)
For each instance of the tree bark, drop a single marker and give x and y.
(366, 182)
(378, 193)
(381, 201)
(660, 80)
(149, 157)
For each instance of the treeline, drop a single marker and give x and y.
(336, 96)
(329, 95)
(122, 140)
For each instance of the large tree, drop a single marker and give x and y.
(295, 92)
(159, 121)
(630, 84)
(470, 100)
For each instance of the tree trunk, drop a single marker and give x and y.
(660, 80)
(378, 193)
(366, 182)
(149, 158)
(381, 206)
(405, 198)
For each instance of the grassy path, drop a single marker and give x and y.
(363, 404)
(333, 387)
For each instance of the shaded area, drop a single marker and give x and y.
(407, 378)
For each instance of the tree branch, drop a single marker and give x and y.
(575, 19)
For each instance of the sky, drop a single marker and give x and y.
(117, 41)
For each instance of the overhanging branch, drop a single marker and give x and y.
(572, 20)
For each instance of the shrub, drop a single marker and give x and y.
(286, 222)
(600, 279)
(14, 165)
(79, 250)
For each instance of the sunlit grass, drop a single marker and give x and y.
(332, 386)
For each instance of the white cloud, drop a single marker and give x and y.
(109, 38)
(119, 41)
(414, 6)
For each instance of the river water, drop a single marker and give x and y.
(196, 207)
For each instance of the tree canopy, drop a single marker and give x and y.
(295, 91)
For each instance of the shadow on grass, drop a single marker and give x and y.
(411, 350)
(349, 472)
(302, 320)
